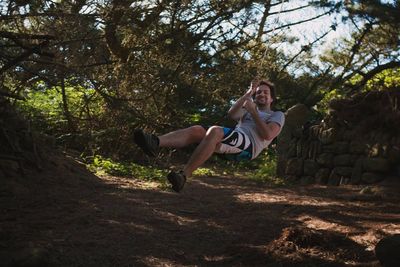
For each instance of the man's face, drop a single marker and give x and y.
(263, 95)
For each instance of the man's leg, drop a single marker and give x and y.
(183, 137)
(177, 139)
(204, 150)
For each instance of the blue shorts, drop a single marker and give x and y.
(236, 145)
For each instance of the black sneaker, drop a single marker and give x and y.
(177, 180)
(149, 143)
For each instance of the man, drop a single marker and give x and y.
(257, 126)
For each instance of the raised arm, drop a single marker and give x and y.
(235, 111)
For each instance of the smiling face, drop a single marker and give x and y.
(263, 97)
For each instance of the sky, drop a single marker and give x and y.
(307, 32)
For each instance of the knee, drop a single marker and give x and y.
(215, 132)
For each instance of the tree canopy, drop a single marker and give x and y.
(97, 69)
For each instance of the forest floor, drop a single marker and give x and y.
(67, 216)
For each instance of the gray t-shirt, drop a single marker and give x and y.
(248, 126)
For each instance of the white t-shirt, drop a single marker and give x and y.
(247, 125)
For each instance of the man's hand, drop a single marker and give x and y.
(250, 106)
(252, 89)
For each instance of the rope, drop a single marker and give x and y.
(266, 49)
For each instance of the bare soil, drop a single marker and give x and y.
(66, 216)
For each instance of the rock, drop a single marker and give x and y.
(343, 171)
(334, 178)
(328, 136)
(371, 178)
(325, 159)
(297, 115)
(292, 150)
(387, 251)
(393, 154)
(307, 180)
(374, 150)
(343, 160)
(348, 135)
(294, 167)
(310, 167)
(314, 131)
(376, 164)
(315, 149)
(357, 172)
(356, 147)
(322, 176)
(341, 147)
(299, 149)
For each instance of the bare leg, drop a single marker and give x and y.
(183, 137)
(204, 150)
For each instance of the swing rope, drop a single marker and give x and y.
(261, 66)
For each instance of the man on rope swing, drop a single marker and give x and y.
(257, 126)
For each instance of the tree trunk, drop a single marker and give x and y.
(67, 113)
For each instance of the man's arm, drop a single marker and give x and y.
(234, 112)
(267, 131)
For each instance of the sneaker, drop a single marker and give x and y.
(149, 143)
(177, 180)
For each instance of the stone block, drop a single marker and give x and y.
(292, 150)
(315, 150)
(322, 176)
(310, 167)
(373, 150)
(307, 180)
(343, 171)
(328, 136)
(325, 159)
(371, 178)
(341, 147)
(343, 160)
(376, 165)
(334, 178)
(314, 131)
(294, 167)
(356, 147)
(297, 115)
(393, 154)
(348, 135)
(357, 172)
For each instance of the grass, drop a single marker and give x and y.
(100, 165)
(263, 169)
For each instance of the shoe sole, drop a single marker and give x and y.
(140, 140)
(172, 181)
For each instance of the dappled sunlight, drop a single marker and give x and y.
(129, 225)
(157, 261)
(317, 223)
(128, 183)
(260, 198)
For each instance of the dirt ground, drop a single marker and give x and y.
(66, 216)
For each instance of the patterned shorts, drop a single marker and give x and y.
(235, 145)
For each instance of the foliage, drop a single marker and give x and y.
(204, 172)
(92, 71)
(100, 165)
(266, 171)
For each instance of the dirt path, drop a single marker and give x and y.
(68, 217)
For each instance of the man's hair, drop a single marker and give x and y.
(271, 87)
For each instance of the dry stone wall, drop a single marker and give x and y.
(357, 143)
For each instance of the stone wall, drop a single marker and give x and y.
(358, 142)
